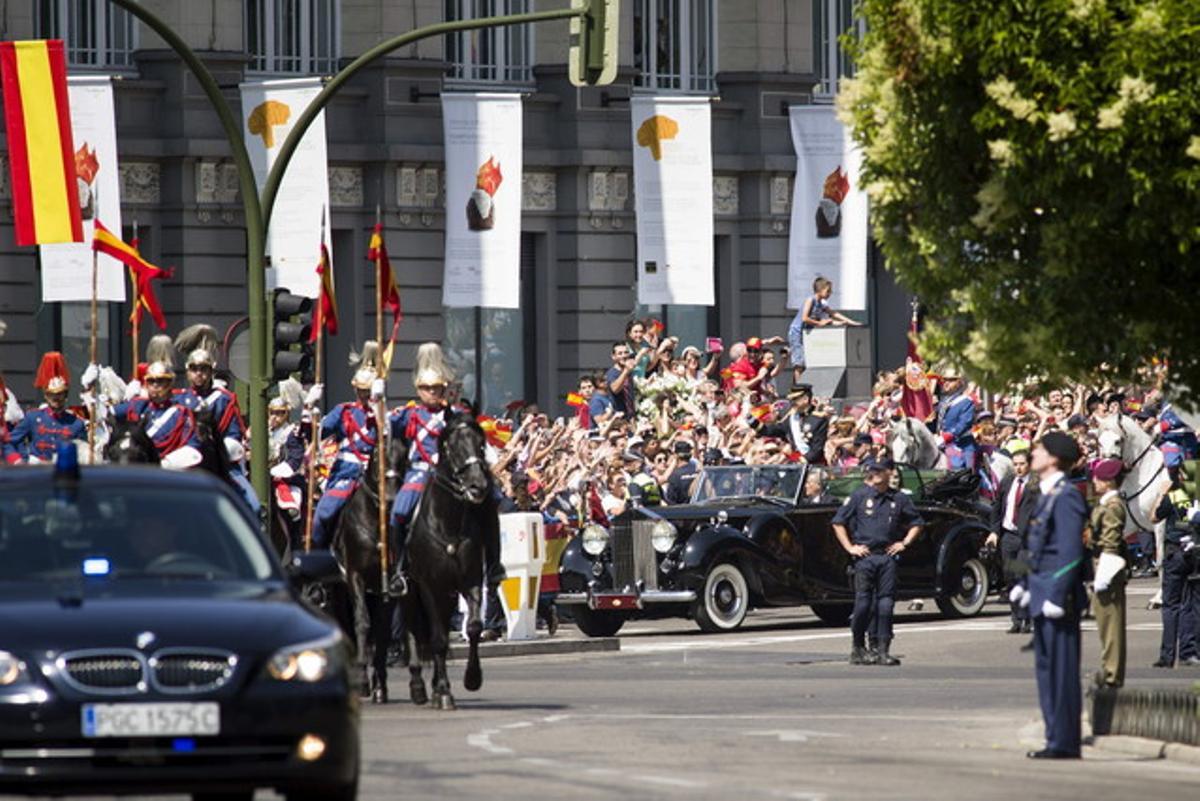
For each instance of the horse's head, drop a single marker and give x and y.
(461, 463)
(129, 443)
(906, 448)
(1112, 437)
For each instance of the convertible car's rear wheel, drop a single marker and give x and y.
(725, 601)
(969, 594)
(833, 614)
(597, 622)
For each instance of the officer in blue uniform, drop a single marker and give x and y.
(37, 436)
(875, 525)
(956, 416)
(1055, 595)
(1180, 598)
(202, 395)
(352, 425)
(170, 426)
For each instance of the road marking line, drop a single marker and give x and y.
(791, 735)
(483, 740)
(670, 781)
(523, 724)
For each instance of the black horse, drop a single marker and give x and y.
(128, 442)
(356, 544)
(456, 525)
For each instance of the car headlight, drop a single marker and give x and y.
(307, 662)
(662, 536)
(594, 539)
(11, 668)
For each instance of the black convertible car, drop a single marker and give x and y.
(748, 540)
(150, 642)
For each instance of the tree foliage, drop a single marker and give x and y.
(1033, 168)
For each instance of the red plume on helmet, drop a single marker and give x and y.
(52, 373)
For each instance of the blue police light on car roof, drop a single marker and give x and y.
(96, 566)
(66, 462)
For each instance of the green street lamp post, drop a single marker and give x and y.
(593, 59)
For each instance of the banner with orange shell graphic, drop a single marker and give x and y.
(96, 186)
(672, 175)
(482, 132)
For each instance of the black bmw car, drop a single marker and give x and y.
(150, 642)
(749, 538)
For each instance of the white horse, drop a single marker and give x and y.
(1146, 478)
(999, 464)
(913, 443)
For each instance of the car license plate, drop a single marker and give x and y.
(151, 720)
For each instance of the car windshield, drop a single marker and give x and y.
(127, 533)
(775, 482)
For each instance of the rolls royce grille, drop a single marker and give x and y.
(634, 558)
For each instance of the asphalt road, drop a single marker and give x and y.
(770, 711)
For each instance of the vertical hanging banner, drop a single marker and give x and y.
(829, 211)
(67, 267)
(269, 112)
(672, 178)
(483, 136)
(40, 150)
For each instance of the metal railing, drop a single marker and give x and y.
(490, 55)
(674, 45)
(1169, 715)
(95, 33)
(293, 36)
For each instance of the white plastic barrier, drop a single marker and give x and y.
(522, 552)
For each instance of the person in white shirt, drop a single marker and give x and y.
(1011, 510)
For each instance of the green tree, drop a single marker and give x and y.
(1033, 168)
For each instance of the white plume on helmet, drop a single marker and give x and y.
(160, 349)
(198, 337)
(432, 367)
(291, 392)
(367, 362)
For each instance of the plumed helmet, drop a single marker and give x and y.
(278, 405)
(201, 357)
(367, 362)
(52, 375)
(362, 378)
(160, 370)
(200, 336)
(160, 349)
(432, 368)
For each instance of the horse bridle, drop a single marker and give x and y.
(1150, 481)
(453, 483)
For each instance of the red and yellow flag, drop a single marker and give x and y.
(327, 316)
(915, 399)
(142, 272)
(497, 432)
(575, 399)
(377, 254)
(41, 152)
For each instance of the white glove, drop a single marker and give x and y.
(314, 395)
(282, 471)
(1052, 610)
(234, 449)
(90, 375)
(1017, 594)
(377, 389)
(1099, 586)
(12, 409)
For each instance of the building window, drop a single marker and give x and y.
(293, 36)
(674, 44)
(831, 18)
(490, 55)
(96, 33)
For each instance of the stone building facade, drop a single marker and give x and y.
(751, 57)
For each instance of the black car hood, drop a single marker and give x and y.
(241, 618)
(735, 508)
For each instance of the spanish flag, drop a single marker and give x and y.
(41, 152)
(497, 432)
(141, 271)
(377, 254)
(327, 315)
(575, 399)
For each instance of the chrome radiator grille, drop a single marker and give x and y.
(103, 672)
(191, 672)
(634, 558)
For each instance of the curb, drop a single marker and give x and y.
(540, 647)
(1146, 748)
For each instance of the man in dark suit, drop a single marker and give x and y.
(679, 484)
(804, 430)
(1055, 595)
(1011, 512)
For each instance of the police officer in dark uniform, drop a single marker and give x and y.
(875, 525)
(804, 430)
(679, 483)
(1180, 598)
(1055, 595)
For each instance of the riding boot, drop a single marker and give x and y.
(860, 656)
(398, 586)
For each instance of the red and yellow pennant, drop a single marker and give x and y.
(141, 271)
(497, 432)
(327, 316)
(575, 399)
(761, 411)
(377, 254)
(41, 151)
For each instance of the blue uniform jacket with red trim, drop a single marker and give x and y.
(40, 432)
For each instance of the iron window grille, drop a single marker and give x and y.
(293, 36)
(490, 55)
(95, 32)
(675, 45)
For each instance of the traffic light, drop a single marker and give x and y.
(293, 326)
(592, 60)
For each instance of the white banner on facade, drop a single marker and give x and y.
(483, 136)
(67, 267)
(829, 211)
(269, 111)
(672, 177)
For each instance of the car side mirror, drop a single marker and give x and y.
(318, 567)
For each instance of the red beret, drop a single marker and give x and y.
(1107, 469)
